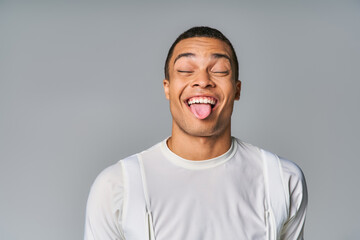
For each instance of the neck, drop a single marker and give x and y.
(199, 148)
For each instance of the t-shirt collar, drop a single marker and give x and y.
(202, 164)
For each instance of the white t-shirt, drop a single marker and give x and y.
(221, 198)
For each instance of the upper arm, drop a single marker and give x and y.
(104, 206)
(296, 186)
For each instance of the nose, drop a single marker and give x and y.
(203, 80)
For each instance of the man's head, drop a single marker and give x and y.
(201, 83)
(203, 32)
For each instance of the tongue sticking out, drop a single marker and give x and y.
(201, 110)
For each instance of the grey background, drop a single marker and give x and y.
(81, 88)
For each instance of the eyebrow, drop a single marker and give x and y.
(220, 55)
(183, 55)
(214, 55)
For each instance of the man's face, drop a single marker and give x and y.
(201, 89)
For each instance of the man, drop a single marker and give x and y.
(200, 183)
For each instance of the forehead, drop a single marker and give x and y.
(201, 46)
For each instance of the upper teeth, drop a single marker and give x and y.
(207, 100)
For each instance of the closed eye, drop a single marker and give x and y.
(221, 72)
(182, 71)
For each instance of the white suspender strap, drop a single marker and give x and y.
(147, 201)
(276, 201)
(137, 218)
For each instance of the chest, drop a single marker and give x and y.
(226, 202)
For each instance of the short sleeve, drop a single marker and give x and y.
(295, 184)
(104, 206)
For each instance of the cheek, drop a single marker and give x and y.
(229, 90)
(176, 89)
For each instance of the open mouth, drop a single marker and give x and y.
(202, 106)
(202, 100)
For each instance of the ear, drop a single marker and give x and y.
(238, 89)
(166, 84)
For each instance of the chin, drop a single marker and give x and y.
(202, 131)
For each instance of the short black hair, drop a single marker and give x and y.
(201, 31)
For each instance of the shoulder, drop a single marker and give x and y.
(108, 187)
(244, 146)
(291, 170)
(111, 175)
(288, 168)
(292, 176)
(104, 205)
(294, 181)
